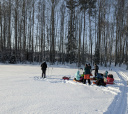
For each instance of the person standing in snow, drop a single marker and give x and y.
(43, 68)
(96, 70)
(90, 67)
(87, 74)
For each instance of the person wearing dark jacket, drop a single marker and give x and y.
(96, 70)
(90, 67)
(43, 68)
(87, 74)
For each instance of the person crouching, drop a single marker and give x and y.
(78, 77)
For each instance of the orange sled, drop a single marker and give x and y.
(76, 81)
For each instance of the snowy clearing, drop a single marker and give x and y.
(23, 91)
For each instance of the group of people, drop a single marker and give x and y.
(101, 79)
(86, 74)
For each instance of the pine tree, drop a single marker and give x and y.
(97, 55)
(89, 7)
(71, 45)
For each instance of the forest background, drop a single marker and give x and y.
(73, 31)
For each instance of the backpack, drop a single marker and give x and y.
(110, 76)
(100, 82)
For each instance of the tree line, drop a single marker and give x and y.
(73, 31)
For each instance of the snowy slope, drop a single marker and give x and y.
(22, 91)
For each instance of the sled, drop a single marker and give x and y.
(94, 82)
(99, 85)
(93, 78)
(100, 82)
(65, 78)
(110, 80)
(77, 81)
(106, 83)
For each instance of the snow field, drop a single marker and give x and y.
(23, 91)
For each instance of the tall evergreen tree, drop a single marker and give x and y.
(89, 7)
(71, 45)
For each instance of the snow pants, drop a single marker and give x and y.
(86, 77)
(95, 73)
(84, 81)
(43, 73)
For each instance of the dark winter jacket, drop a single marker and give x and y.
(90, 67)
(96, 68)
(99, 76)
(87, 70)
(43, 66)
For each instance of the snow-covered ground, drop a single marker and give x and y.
(22, 91)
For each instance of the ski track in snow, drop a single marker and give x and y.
(51, 80)
(119, 104)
